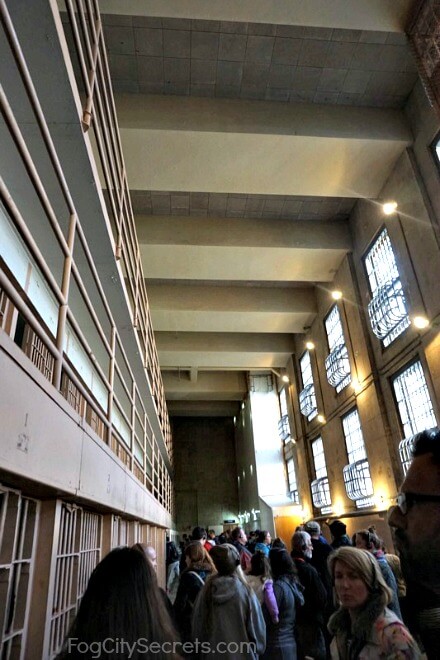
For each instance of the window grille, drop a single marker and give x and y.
(78, 552)
(18, 524)
(307, 397)
(321, 493)
(320, 486)
(414, 404)
(405, 452)
(337, 364)
(357, 478)
(284, 428)
(387, 310)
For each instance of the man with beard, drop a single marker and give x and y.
(310, 619)
(415, 521)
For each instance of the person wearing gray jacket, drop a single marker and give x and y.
(228, 623)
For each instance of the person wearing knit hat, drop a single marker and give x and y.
(227, 613)
(338, 531)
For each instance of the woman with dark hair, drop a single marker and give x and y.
(280, 640)
(260, 579)
(363, 627)
(199, 566)
(263, 542)
(227, 613)
(121, 602)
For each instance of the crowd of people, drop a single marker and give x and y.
(236, 595)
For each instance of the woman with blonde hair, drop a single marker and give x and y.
(227, 614)
(363, 627)
(199, 566)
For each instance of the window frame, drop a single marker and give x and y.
(347, 380)
(382, 228)
(416, 359)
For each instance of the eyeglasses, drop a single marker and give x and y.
(406, 500)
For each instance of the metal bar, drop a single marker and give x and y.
(62, 312)
(33, 98)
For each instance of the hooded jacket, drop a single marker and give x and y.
(376, 634)
(228, 615)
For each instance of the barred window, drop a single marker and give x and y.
(291, 479)
(357, 477)
(415, 407)
(354, 440)
(320, 486)
(307, 397)
(283, 401)
(387, 310)
(319, 458)
(337, 364)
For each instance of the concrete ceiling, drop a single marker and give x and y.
(249, 130)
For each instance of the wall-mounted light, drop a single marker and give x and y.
(389, 207)
(321, 419)
(336, 295)
(242, 405)
(420, 322)
(285, 378)
(310, 345)
(235, 421)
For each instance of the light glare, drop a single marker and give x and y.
(389, 207)
(420, 322)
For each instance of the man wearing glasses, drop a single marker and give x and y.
(415, 521)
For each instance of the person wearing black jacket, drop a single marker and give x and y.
(311, 617)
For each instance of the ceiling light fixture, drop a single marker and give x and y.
(389, 207)
(285, 378)
(310, 345)
(321, 419)
(336, 295)
(420, 322)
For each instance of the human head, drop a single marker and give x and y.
(238, 535)
(278, 543)
(264, 537)
(313, 528)
(196, 557)
(149, 552)
(281, 563)
(416, 533)
(211, 534)
(337, 528)
(364, 539)
(122, 600)
(260, 565)
(226, 558)
(302, 544)
(199, 534)
(348, 568)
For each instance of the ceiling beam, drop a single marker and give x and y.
(210, 385)
(224, 350)
(381, 15)
(190, 308)
(258, 147)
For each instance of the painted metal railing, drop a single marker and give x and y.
(114, 409)
(99, 116)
